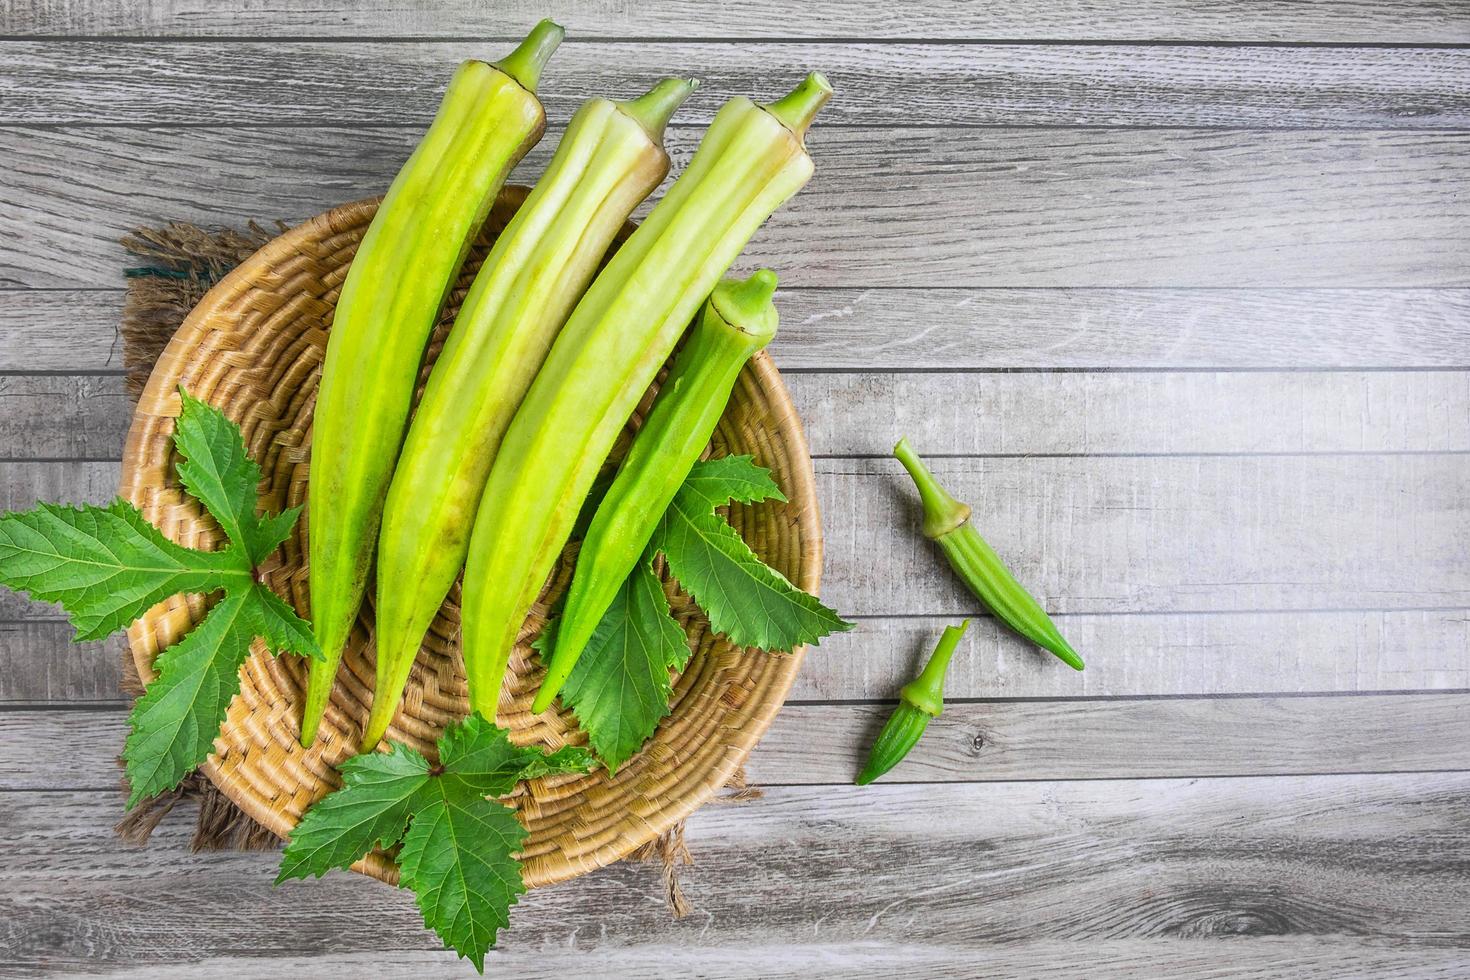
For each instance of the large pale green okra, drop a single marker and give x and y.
(609, 160)
(738, 320)
(751, 160)
(404, 267)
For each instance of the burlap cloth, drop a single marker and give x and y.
(181, 263)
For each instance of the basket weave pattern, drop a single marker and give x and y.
(253, 348)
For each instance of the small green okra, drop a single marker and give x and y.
(738, 319)
(921, 699)
(947, 522)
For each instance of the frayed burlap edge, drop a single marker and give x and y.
(185, 261)
(670, 851)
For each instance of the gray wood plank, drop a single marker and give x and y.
(22, 485)
(1157, 655)
(961, 329)
(1102, 534)
(988, 328)
(39, 662)
(75, 330)
(211, 82)
(1372, 21)
(1260, 958)
(63, 416)
(970, 742)
(1165, 737)
(906, 208)
(1077, 413)
(1334, 873)
(1162, 534)
(1101, 413)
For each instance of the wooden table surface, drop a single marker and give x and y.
(1176, 293)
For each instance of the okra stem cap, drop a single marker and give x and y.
(652, 109)
(745, 304)
(796, 109)
(524, 64)
(942, 513)
(926, 692)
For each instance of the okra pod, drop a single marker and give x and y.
(947, 522)
(920, 700)
(738, 319)
(609, 160)
(750, 161)
(405, 266)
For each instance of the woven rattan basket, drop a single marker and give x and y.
(253, 347)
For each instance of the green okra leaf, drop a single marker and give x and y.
(459, 845)
(380, 791)
(107, 566)
(745, 599)
(219, 473)
(459, 859)
(620, 687)
(477, 758)
(175, 721)
(730, 479)
(275, 622)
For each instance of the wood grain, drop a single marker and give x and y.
(971, 742)
(1101, 413)
(1263, 958)
(1155, 655)
(1102, 534)
(998, 328)
(62, 416)
(1341, 873)
(209, 82)
(70, 331)
(1167, 737)
(1372, 21)
(961, 329)
(39, 662)
(906, 208)
(987, 414)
